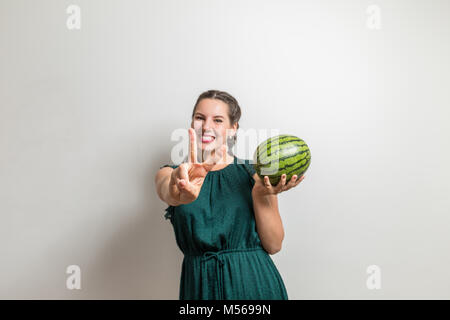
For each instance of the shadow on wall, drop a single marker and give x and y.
(132, 255)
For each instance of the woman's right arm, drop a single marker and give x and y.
(162, 181)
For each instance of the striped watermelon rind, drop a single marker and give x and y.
(282, 154)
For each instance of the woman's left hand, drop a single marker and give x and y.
(264, 187)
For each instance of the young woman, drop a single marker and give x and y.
(225, 218)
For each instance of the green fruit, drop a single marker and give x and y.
(282, 154)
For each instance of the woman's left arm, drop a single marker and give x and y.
(268, 222)
(267, 216)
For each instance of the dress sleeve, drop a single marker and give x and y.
(169, 213)
(168, 165)
(250, 169)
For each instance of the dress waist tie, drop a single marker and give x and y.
(217, 255)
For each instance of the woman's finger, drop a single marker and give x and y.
(291, 182)
(192, 146)
(267, 183)
(280, 186)
(299, 180)
(181, 183)
(173, 186)
(183, 172)
(187, 190)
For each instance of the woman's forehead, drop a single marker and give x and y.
(212, 107)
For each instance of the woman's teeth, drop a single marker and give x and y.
(207, 139)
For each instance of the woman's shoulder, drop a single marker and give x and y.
(247, 165)
(169, 165)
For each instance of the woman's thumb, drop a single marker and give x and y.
(181, 183)
(185, 186)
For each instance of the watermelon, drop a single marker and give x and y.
(282, 154)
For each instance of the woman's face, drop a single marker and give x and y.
(211, 123)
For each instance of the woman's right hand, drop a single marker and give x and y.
(187, 179)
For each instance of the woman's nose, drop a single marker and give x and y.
(207, 124)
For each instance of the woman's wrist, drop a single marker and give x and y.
(173, 202)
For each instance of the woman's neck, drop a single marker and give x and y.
(221, 162)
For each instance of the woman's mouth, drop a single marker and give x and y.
(207, 139)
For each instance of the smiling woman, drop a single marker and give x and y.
(215, 118)
(225, 231)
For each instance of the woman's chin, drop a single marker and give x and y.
(209, 147)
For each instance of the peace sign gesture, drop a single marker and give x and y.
(187, 179)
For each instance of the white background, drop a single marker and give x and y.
(86, 118)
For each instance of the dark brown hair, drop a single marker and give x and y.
(234, 110)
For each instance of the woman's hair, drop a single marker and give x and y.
(234, 110)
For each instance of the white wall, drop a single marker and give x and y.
(86, 117)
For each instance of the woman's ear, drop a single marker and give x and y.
(235, 128)
(231, 132)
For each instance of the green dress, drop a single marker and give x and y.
(223, 255)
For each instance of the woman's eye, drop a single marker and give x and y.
(200, 118)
